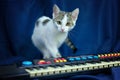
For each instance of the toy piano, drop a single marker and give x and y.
(59, 66)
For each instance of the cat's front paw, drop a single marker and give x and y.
(58, 55)
(46, 57)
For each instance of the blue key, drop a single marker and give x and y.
(71, 59)
(90, 57)
(77, 58)
(95, 57)
(26, 63)
(83, 58)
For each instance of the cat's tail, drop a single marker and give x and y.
(71, 45)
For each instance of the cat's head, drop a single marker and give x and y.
(65, 21)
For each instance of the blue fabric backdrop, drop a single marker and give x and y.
(97, 30)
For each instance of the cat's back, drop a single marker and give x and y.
(43, 18)
(42, 24)
(42, 28)
(42, 21)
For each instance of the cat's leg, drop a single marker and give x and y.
(46, 54)
(54, 52)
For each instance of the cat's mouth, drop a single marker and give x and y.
(63, 30)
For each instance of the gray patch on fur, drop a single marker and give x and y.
(45, 21)
(37, 23)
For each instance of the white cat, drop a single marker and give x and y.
(49, 34)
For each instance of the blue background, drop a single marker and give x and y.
(96, 31)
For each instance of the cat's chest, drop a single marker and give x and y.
(60, 38)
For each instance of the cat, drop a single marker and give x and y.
(49, 34)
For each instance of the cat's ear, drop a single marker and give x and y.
(56, 10)
(75, 14)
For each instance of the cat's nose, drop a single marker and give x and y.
(62, 30)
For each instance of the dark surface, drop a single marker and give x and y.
(9, 72)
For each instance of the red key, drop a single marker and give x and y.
(42, 62)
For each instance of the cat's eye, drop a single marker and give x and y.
(59, 22)
(68, 24)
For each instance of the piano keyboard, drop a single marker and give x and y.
(62, 66)
(70, 69)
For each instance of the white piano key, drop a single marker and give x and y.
(45, 72)
(115, 64)
(110, 65)
(51, 70)
(98, 66)
(83, 67)
(63, 71)
(58, 70)
(90, 66)
(106, 66)
(40, 72)
(74, 68)
(67, 68)
(31, 72)
(101, 66)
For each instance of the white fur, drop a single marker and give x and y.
(47, 38)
